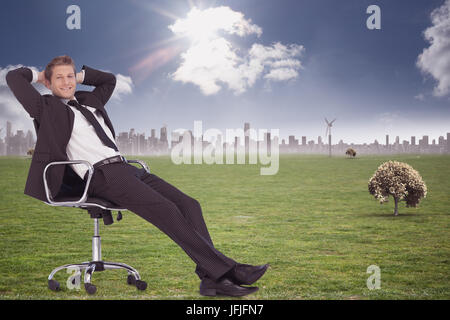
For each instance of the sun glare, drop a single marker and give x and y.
(197, 26)
(204, 25)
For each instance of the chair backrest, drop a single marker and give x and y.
(72, 184)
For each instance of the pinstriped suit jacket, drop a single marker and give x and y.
(54, 123)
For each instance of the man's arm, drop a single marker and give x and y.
(19, 81)
(104, 83)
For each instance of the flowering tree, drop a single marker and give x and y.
(399, 180)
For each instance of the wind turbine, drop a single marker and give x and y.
(328, 132)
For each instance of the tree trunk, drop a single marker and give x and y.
(396, 207)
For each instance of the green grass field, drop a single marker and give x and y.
(314, 222)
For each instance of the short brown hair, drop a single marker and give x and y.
(58, 61)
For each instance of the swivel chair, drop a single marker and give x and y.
(97, 208)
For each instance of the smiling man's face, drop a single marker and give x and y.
(63, 81)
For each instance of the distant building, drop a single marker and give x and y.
(8, 137)
(2, 147)
(424, 141)
(448, 142)
(247, 136)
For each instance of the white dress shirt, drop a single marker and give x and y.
(84, 143)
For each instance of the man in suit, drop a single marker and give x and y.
(74, 125)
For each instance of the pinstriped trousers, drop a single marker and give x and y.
(170, 210)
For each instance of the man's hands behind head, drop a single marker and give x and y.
(41, 77)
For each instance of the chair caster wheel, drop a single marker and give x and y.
(131, 280)
(141, 285)
(53, 285)
(90, 288)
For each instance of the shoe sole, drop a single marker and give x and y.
(215, 292)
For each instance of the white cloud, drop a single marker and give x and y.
(435, 60)
(281, 74)
(278, 61)
(206, 63)
(123, 86)
(212, 61)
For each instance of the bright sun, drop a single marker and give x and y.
(204, 25)
(198, 26)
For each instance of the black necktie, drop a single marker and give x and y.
(92, 120)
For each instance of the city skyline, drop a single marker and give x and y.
(136, 143)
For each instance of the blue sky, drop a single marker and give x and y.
(368, 79)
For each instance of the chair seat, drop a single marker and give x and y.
(90, 202)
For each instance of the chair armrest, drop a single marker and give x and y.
(141, 163)
(68, 203)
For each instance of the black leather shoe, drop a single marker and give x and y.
(247, 274)
(224, 287)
